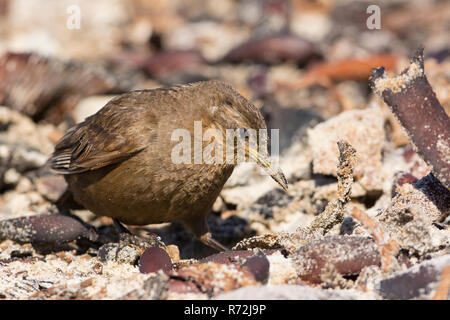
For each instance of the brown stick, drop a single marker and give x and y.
(388, 248)
(444, 286)
(334, 212)
(416, 107)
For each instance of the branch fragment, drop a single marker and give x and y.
(413, 102)
(444, 286)
(334, 212)
(388, 248)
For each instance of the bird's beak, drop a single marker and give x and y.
(267, 165)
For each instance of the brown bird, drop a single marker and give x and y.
(120, 163)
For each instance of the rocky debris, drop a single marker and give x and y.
(88, 106)
(355, 69)
(19, 131)
(163, 64)
(387, 248)
(50, 186)
(210, 278)
(154, 259)
(65, 275)
(411, 218)
(131, 248)
(272, 49)
(256, 264)
(305, 64)
(292, 292)
(63, 84)
(121, 253)
(347, 255)
(45, 229)
(213, 39)
(282, 269)
(419, 281)
(15, 161)
(363, 129)
(154, 288)
(55, 31)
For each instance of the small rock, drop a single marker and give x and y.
(213, 278)
(419, 281)
(128, 254)
(348, 255)
(211, 38)
(155, 259)
(154, 288)
(169, 62)
(272, 49)
(364, 130)
(174, 252)
(410, 219)
(51, 187)
(258, 266)
(88, 106)
(44, 87)
(119, 253)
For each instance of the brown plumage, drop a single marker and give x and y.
(117, 163)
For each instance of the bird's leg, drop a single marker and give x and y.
(210, 241)
(126, 237)
(121, 229)
(199, 228)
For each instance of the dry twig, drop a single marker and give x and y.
(416, 107)
(334, 212)
(444, 286)
(388, 248)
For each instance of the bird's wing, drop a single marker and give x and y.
(118, 131)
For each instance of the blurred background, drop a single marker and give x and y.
(283, 52)
(301, 61)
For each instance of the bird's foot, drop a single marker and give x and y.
(199, 227)
(126, 237)
(130, 247)
(131, 239)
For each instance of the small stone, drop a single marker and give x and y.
(11, 177)
(155, 259)
(174, 252)
(348, 255)
(108, 252)
(364, 130)
(128, 254)
(51, 187)
(419, 281)
(410, 219)
(258, 266)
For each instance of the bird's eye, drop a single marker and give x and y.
(228, 102)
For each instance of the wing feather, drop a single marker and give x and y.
(119, 130)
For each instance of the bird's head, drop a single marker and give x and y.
(242, 126)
